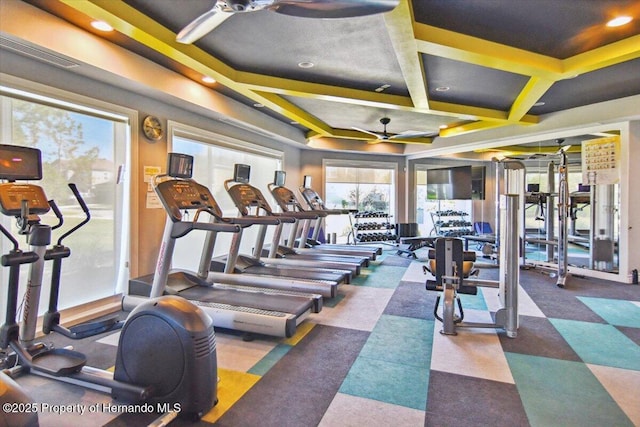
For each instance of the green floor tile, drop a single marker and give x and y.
(409, 327)
(473, 302)
(599, 344)
(332, 302)
(388, 382)
(563, 393)
(380, 276)
(616, 312)
(267, 362)
(400, 349)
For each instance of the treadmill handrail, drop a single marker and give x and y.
(183, 228)
(298, 215)
(254, 220)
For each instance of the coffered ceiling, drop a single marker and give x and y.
(439, 67)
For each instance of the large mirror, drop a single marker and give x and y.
(593, 202)
(589, 163)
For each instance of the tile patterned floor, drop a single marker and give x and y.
(375, 357)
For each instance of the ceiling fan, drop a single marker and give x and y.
(395, 137)
(543, 152)
(222, 9)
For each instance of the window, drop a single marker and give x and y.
(364, 186)
(214, 158)
(85, 146)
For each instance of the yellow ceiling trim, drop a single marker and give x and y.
(469, 127)
(468, 112)
(278, 85)
(399, 25)
(282, 86)
(530, 94)
(291, 111)
(460, 47)
(605, 56)
(520, 149)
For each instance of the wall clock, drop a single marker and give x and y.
(152, 128)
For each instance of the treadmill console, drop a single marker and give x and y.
(312, 198)
(179, 195)
(286, 199)
(246, 196)
(12, 194)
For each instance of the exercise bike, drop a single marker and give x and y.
(166, 352)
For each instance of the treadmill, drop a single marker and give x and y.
(288, 202)
(242, 309)
(248, 198)
(316, 203)
(243, 270)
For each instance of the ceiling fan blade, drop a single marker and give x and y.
(332, 8)
(202, 25)
(377, 135)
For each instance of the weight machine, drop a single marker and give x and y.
(452, 268)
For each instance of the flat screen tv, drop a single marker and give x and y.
(179, 165)
(449, 183)
(307, 181)
(279, 178)
(241, 173)
(20, 163)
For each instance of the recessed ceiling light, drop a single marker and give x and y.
(208, 79)
(382, 88)
(101, 26)
(306, 64)
(442, 88)
(443, 126)
(619, 21)
(539, 104)
(258, 105)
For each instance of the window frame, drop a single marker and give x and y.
(125, 246)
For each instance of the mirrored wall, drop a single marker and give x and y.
(592, 206)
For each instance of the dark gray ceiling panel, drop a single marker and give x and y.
(557, 28)
(471, 84)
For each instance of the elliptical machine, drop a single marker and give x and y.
(166, 352)
(51, 319)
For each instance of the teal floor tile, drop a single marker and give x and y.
(563, 393)
(332, 302)
(385, 276)
(473, 302)
(388, 382)
(615, 312)
(267, 362)
(400, 349)
(408, 327)
(599, 344)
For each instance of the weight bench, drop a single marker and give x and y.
(409, 245)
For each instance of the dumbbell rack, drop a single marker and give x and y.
(373, 227)
(451, 223)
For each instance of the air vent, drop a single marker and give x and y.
(204, 345)
(35, 52)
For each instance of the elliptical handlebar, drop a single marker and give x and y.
(78, 196)
(58, 214)
(14, 241)
(83, 205)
